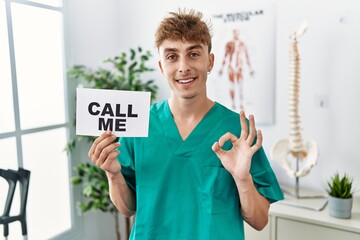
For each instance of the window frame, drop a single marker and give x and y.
(77, 229)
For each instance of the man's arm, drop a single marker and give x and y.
(254, 206)
(121, 195)
(103, 153)
(237, 160)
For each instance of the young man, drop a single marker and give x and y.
(202, 170)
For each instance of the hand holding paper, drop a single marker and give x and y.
(103, 153)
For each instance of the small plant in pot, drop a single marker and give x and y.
(340, 196)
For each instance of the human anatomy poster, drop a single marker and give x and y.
(243, 77)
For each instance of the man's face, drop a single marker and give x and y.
(185, 66)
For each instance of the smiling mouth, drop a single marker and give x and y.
(184, 81)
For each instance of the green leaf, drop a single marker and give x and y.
(88, 190)
(133, 53)
(76, 180)
(132, 66)
(340, 187)
(144, 58)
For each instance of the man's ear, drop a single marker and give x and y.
(211, 62)
(160, 67)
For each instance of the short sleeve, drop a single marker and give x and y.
(264, 177)
(126, 160)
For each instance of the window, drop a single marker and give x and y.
(33, 119)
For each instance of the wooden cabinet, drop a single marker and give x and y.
(294, 223)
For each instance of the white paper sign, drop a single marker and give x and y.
(125, 113)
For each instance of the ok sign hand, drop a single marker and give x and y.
(237, 160)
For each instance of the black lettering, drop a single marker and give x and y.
(107, 110)
(118, 113)
(119, 123)
(90, 108)
(130, 114)
(104, 126)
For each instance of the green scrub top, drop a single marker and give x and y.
(182, 189)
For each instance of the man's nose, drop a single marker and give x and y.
(184, 66)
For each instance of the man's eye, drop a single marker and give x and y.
(194, 54)
(171, 57)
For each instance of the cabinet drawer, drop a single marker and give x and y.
(253, 234)
(296, 230)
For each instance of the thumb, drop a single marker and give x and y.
(217, 149)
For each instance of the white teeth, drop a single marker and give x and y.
(186, 80)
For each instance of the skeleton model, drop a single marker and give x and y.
(295, 147)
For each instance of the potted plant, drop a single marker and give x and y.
(125, 74)
(340, 196)
(96, 191)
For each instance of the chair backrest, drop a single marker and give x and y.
(11, 177)
(24, 178)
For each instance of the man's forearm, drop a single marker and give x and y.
(121, 195)
(254, 207)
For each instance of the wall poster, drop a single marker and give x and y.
(243, 77)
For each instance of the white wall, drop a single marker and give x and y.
(330, 53)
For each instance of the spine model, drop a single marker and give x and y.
(294, 146)
(296, 142)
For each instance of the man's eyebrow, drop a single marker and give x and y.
(166, 50)
(197, 46)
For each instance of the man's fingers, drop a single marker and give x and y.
(227, 137)
(102, 145)
(252, 132)
(111, 157)
(217, 149)
(105, 152)
(97, 141)
(114, 154)
(258, 143)
(244, 126)
(217, 146)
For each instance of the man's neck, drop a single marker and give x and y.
(189, 108)
(187, 113)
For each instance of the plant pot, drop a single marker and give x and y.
(340, 207)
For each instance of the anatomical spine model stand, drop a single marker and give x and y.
(295, 147)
